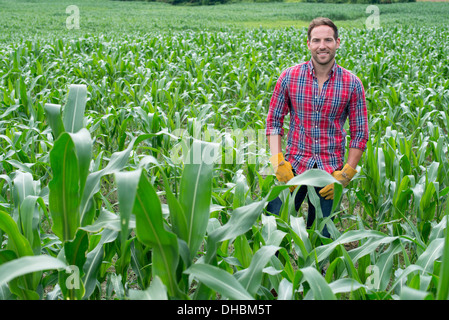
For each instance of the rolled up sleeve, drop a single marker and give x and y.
(279, 106)
(358, 118)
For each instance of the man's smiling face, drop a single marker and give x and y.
(322, 45)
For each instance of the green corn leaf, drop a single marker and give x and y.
(345, 285)
(23, 187)
(219, 280)
(177, 216)
(251, 277)
(426, 205)
(83, 148)
(16, 241)
(75, 250)
(301, 237)
(28, 264)
(241, 221)
(108, 220)
(408, 293)
(403, 192)
(54, 118)
(404, 273)
(285, 290)
(384, 266)
(25, 286)
(117, 162)
(319, 286)
(30, 218)
(242, 251)
(369, 247)
(443, 282)
(156, 291)
(150, 230)
(195, 195)
(433, 252)
(5, 293)
(94, 260)
(64, 197)
(73, 112)
(349, 265)
(139, 261)
(312, 177)
(324, 251)
(126, 189)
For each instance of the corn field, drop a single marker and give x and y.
(105, 192)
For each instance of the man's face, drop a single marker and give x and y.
(322, 45)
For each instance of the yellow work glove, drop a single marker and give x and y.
(282, 168)
(344, 177)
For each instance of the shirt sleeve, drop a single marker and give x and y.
(358, 118)
(279, 106)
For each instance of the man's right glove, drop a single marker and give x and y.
(344, 177)
(282, 168)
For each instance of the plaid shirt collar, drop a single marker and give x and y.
(312, 69)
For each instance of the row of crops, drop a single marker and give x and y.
(96, 204)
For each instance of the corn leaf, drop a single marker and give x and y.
(94, 260)
(16, 241)
(54, 117)
(319, 286)
(150, 230)
(69, 158)
(73, 112)
(219, 280)
(156, 291)
(433, 252)
(443, 282)
(241, 221)
(251, 277)
(195, 195)
(28, 264)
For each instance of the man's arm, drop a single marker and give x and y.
(279, 107)
(354, 157)
(274, 142)
(358, 122)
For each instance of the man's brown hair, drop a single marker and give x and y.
(321, 21)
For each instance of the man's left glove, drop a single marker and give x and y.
(282, 168)
(344, 177)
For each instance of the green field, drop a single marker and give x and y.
(48, 18)
(99, 201)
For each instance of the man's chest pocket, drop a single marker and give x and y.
(336, 106)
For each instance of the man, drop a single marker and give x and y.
(320, 96)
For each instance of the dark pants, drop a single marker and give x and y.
(274, 207)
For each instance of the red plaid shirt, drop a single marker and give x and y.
(316, 134)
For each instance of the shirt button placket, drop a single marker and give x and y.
(315, 118)
(315, 147)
